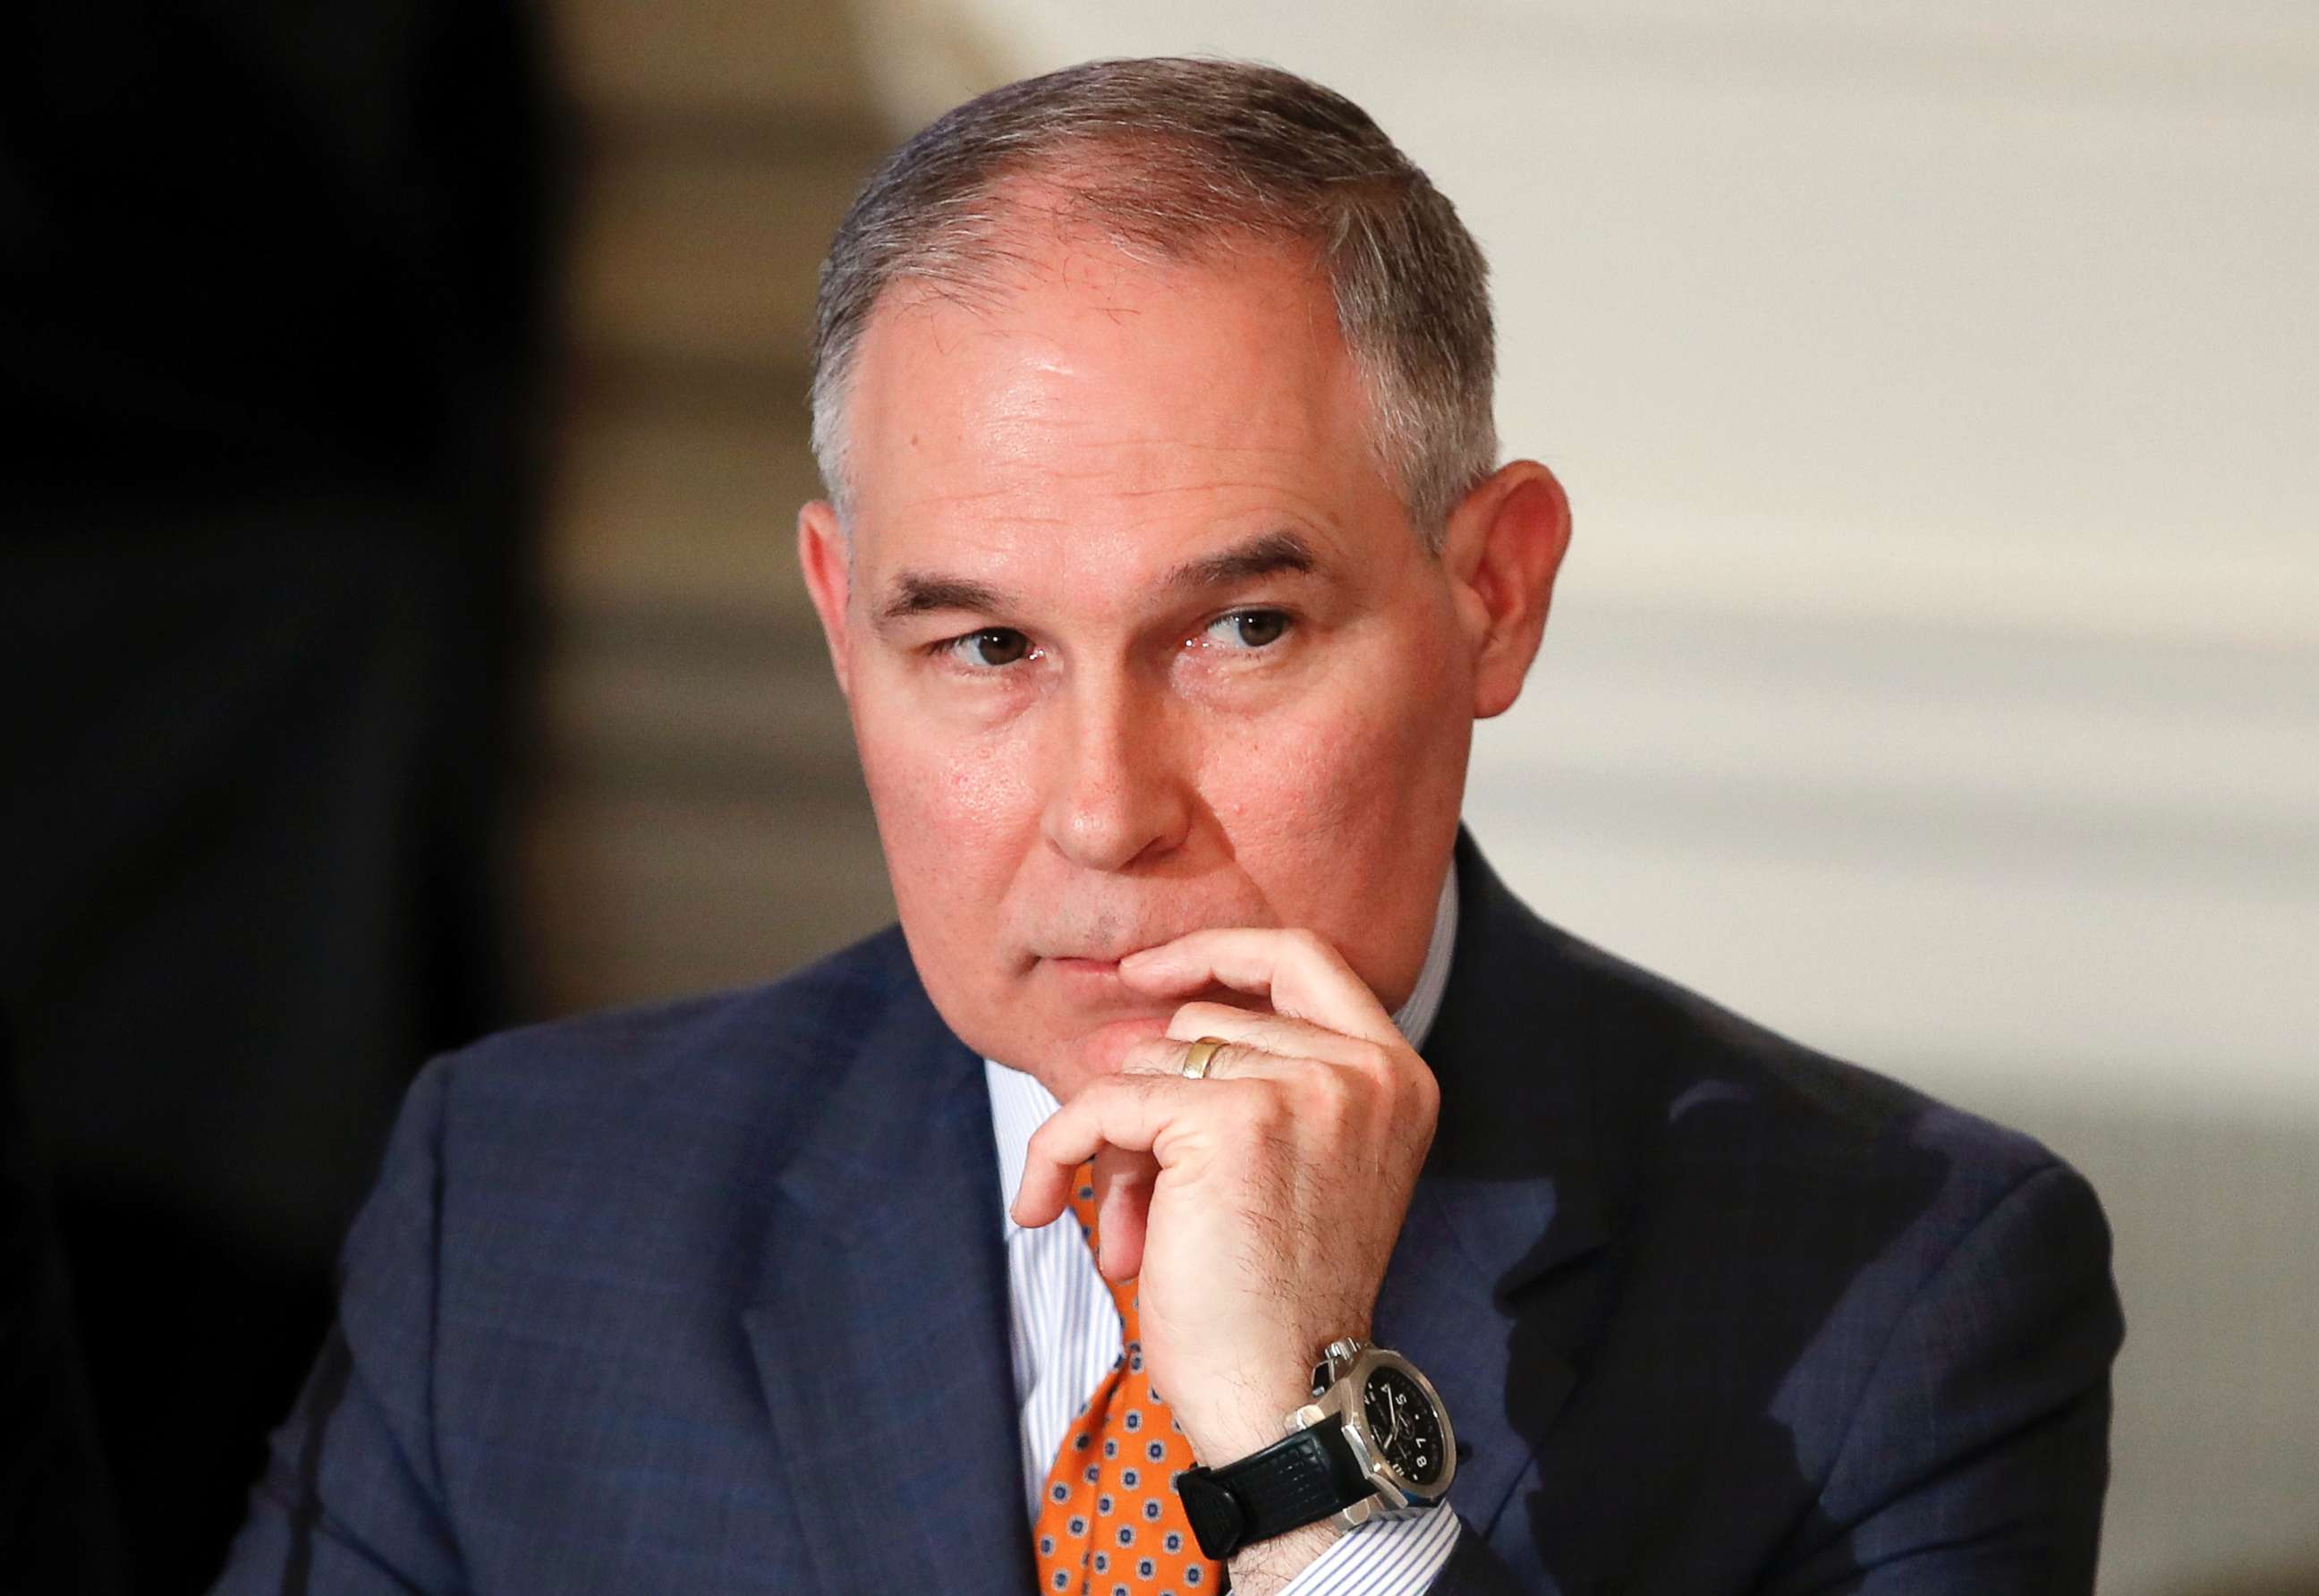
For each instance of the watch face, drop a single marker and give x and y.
(1403, 1426)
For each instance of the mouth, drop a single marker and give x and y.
(1072, 965)
(1094, 953)
(1103, 958)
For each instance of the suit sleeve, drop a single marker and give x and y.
(351, 1501)
(1978, 1457)
(1474, 1570)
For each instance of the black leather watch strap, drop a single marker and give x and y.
(1297, 1480)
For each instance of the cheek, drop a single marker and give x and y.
(1314, 790)
(949, 808)
(1336, 793)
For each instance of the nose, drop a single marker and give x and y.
(1119, 791)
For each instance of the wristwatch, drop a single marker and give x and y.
(1375, 1435)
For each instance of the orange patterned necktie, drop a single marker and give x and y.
(1109, 1522)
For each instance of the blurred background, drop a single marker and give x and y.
(405, 415)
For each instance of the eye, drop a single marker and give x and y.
(1249, 628)
(990, 649)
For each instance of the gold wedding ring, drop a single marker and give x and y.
(1195, 1062)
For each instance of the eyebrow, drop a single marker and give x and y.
(1269, 553)
(917, 593)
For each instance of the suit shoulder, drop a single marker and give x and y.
(1694, 1052)
(645, 1080)
(1757, 1168)
(1687, 1096)
(596, 1050)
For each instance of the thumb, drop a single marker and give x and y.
(1122, 1194)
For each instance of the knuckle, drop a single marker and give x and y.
(1234, 1060)
(1103, 1096)
(1197, 1019)
(1307, 940)
(1329, 1084)
(1328, 1099)
(1286, 1038)
(1427, 1091)
(1267, 1107)
(1151, 1054)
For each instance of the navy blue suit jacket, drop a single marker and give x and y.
(711, 1298)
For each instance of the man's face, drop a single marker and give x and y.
(1138, 640)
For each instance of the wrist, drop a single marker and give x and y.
(1248, 1428)
(1252, 1414)
(1267, 1566)
(1375, 1436)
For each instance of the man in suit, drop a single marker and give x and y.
(1167, 566)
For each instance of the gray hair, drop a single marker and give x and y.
(1177, 159)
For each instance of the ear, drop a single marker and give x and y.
(1503, 547)
(827, 563)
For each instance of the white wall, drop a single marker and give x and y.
(1936, 674)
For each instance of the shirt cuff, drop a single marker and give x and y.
(1393, 1553)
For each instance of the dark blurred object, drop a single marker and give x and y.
(273, 288)
(57, 1527)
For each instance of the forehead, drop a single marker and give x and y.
(1110, 399)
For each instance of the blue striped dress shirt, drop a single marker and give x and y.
(1066, 1332)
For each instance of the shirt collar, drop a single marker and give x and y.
(1020, 1104)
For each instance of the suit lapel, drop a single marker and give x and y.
(881, 1331)
(1494, 1276)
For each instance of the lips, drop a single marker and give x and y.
(1084, 964)
(1106, 954)
(1103, 945)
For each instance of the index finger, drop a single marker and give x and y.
(1302, 976)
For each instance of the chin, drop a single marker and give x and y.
(1104, 1049)
(1077, 1054)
